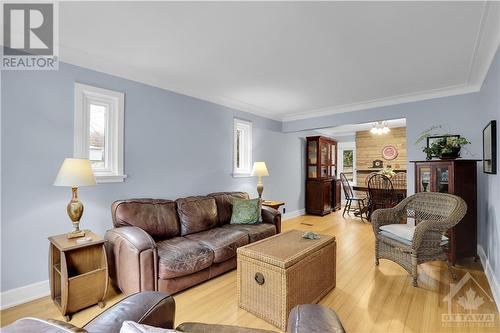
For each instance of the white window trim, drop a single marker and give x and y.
(246, 127)
(84, 94)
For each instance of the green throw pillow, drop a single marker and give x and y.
(246, 211)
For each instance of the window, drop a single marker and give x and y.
(242, 163)
(99, 131)
(347, 160)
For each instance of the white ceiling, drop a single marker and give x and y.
(288, 60)
(347, 130)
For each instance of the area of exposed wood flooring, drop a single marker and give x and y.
(367, 298)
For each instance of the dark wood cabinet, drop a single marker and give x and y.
(322, 190)
(336, 194)
(456, 177)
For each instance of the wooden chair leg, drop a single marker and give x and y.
(360, 210)
(345, 207)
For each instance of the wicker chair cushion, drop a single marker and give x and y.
(402, 233)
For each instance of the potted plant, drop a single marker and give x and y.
(444, 147)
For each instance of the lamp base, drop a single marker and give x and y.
(260, 187)
(76, 234)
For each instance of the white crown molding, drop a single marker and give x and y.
(84, 59)
(13, 297)
(489, 29)
(386, 101)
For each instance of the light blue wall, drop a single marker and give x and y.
(174, 146)
(489, 195)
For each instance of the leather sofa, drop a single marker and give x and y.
(158, 310)
(169, 246)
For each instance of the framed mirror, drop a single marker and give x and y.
(490, 148)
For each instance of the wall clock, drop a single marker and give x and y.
(389, 152)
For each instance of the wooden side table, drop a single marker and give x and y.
(273, 204)
(78, 273)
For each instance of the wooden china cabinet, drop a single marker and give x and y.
(322, 187)
(456, 177)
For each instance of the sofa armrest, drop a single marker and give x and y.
(29, 324)
(273, 216)
(149, 307)
(132, 259)
(314, 318)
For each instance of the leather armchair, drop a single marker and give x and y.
(149, 308)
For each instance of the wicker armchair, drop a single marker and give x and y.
(434, 213)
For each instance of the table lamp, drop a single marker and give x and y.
(260, 170)
(75, 172)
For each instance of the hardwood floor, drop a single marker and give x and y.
(367, 298)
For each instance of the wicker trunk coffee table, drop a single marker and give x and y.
(284, 270)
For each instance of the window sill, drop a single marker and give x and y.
(102, 179)
(241, 175)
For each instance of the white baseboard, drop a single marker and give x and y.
(490, 275)
(293, 214)
(24, 294)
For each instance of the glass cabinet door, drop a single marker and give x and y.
(324, 159)
(441, 181)
(333, 160)
(323, 146)
(312, 159)
(313, 153)
(424, 176)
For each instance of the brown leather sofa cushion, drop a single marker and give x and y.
(180, 256)
(196, 214)
(155, 216)
(255, 232)
(223, 242)
(224, 206)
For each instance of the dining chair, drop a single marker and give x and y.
(350, 197)
(369, 176)
(381, 193)
(399, 180)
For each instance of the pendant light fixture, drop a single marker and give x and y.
(380, 128)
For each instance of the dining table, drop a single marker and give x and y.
(399, 191)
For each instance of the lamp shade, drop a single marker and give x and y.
(259, 169)
(75, 172)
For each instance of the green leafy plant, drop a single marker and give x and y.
(388, 172)
(446, 147)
